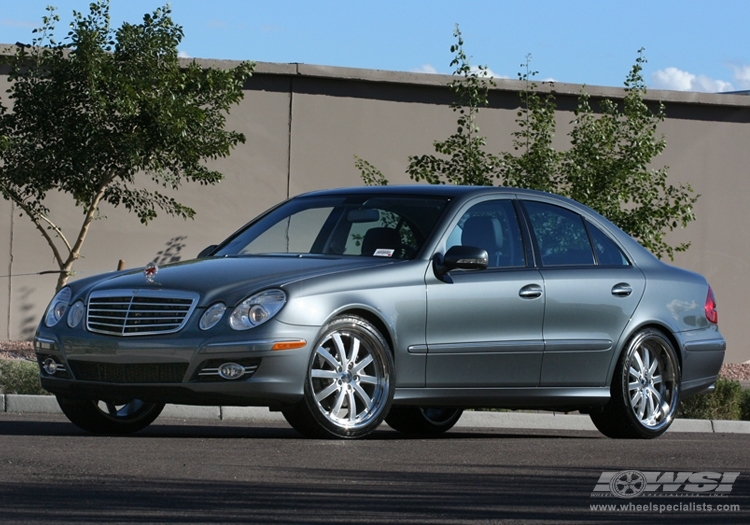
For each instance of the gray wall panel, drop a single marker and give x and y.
(304, 124)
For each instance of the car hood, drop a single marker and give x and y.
(231, 279)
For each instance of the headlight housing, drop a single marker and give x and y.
(75, 314)
(212, 316)
(257, 309)
(56, 308)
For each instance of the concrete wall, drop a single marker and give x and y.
(304, 124)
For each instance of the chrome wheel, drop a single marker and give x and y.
(645, 389)
(651, 382)
(348, 381)
(349, 385)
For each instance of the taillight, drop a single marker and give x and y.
(711, 314)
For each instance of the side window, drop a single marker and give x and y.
(386, 235)
(560, 234)
(607, 252)
(492, 226)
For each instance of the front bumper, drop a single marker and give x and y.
(178, 368)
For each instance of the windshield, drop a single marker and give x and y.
(355, 225)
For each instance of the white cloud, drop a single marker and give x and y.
(742, 75)
(426, 68)
(678, 80)
(183, 54)
(490, 73)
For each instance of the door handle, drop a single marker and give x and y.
(530, 291)
(622, 290)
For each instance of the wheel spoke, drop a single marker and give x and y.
(362, 364)
(650, 406)
(655, 396)
(327, 391)
(364, 396)
(338, 404)
(352, 406)
(355, 350)
(641, 405)
(341, 349)
(646, 363)
(369, 380)
(635, 399)
(111, 409)
(653, 367)
(664, 406)
(639, 362)
(324, 374)
(656, 379)
(326, 355)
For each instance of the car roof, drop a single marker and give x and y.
(437, 190)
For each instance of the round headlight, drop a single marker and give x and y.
(57, 307)
(257, 309)
(75, 314)
(212, 315)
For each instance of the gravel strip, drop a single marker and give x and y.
(17, 350)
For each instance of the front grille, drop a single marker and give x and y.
(139, 312)
(138, 373)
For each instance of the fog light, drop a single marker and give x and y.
(231, 371)
(50, 366)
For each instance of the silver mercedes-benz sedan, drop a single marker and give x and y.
(345, 308)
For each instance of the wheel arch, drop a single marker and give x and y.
(628, 336)
(369, 316)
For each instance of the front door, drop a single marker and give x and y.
(484, 327)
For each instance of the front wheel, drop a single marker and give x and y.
(102, 417)
(349, 384)
(645, 389)
(418, 420)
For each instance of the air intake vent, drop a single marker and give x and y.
(139, 312)
(138, 373)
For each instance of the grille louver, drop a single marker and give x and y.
(137, 373)
(139, 312)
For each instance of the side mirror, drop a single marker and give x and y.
(205, 252)
(461, 258)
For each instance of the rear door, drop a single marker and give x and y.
(592, 291)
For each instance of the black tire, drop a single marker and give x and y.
(351, 366)
(645, 389)
(99, 417)
(426, 421)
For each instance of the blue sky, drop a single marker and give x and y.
(691, 45)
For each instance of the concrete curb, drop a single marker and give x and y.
(471, 419)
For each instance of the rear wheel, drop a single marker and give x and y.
(349, 383)
(419, 420)
(645, 389)
(102, 417)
